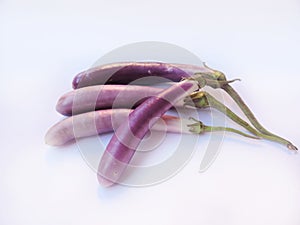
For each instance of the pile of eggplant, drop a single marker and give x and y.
(121, 98)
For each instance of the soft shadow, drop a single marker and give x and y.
(110, 193)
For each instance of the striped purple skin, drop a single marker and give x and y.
(103, 97)
(124, 73)
(127, 137)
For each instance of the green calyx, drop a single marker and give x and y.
(199, 99)
(216, 74)
(197, 127)
(212, 74)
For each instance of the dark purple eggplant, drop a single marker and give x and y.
(127, 72)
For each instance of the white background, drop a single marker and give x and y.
(43, 44)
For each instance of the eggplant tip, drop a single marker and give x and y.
(52, 140)
(104, 182)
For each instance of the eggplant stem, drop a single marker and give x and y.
(198, 127)
(203, 99)
(267, 135)
(228, 129)
(217, 79)
(219, 84)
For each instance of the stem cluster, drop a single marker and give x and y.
(217, 79)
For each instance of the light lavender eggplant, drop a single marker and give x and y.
(128, 136)
(126, 72)
(103, 97)
(103, 121)
(99, 122)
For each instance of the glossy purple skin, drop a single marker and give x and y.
(124, 73)
(103, 97)
(123, 144)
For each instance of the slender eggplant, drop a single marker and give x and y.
(127, 137)
(102, 121)
(99, 122)
(124, 73)
(103, 97)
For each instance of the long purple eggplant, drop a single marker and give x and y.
(127, 137)
(103, 97)
(124, 73)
